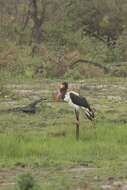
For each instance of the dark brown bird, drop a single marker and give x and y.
(30, 108)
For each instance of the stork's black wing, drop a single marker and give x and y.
(79, 100)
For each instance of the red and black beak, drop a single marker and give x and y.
(62, 87)
(58, 95)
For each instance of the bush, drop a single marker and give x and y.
(26, 181)
(121, 47)
(72, 74)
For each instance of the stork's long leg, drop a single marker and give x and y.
(77, 124)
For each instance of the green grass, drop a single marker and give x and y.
(106, 141)
(45, 144)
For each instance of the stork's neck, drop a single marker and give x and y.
(63, 92)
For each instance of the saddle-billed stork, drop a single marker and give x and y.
(77, 101)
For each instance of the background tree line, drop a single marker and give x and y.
(48, 35)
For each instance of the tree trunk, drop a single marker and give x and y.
(38, 18)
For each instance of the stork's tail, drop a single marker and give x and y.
(89, 113)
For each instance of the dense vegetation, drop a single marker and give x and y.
(41, 38)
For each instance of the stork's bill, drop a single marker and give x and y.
(58, 95)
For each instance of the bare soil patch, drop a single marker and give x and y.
(34, 90)
(12, 102)
(10, 173)
(6, 183)
(80, 168)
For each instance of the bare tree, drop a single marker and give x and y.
(38, 15)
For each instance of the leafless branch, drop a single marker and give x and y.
(106, 70)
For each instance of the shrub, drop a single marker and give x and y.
(72, 74)
(26, 181)
(121, 47)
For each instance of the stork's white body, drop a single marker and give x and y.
(68, 99)
(77, 107)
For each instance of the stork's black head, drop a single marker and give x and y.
(62, 91)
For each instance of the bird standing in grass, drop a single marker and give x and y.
(77, 101)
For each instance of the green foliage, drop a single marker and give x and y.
(119, 72)
(3, 90)
(121, 47)
(63, 36)
(100, 19)
(26, 181)
(95, 29)
(29, 73)
(72, 75)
